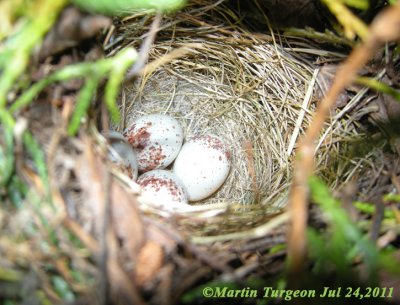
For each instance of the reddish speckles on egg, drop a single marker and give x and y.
(153, 159)
(139, 139)
(152, 138)
(162, 187)
(213, 142)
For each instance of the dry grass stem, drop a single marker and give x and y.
(385, 27)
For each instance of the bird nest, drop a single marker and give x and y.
(258, 95)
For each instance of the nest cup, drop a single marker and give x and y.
(243, 87)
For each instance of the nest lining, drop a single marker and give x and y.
(245, 96)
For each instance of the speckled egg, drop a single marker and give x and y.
(122, 153)
(202, 165)
(163, 188)
(157, 140)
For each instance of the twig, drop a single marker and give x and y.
(377, 218)
(144, 51)
(248, 148)
(257, 232)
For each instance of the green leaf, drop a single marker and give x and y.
(351, 24)
(62, 288)
(121, 64)
(93, 72)
(35, 151)
(391, 197)
(15, 54)
(82, 105)
(6, 157)
(358, 4)
(378, 86)
(17, 191)
(277, 248)
(10, 275)
(122, 7)
(346, 241)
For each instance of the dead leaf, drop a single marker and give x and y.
(90, 172)
(124, 292)
(127, 221)
(148, 262)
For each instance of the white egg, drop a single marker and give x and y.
(122, 153)
(157, 140)
(202, 165)
(163, 188)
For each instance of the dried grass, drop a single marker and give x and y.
(251, 91)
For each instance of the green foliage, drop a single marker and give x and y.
(35, 20)
(359, 4)
(16, 191)
(18, 43)
(9, 275)
(7, 154)
(326, 37)
(351, 25)
(15, 187)
(344, 241)
(277, 248)
(62, 288)
(92, 73)
(17, 49)
(379, 86)
(369, 208)
(36, 153)
(8, 13)
(115, 80)
(121, 7)
(42, 298)
(6, 157)
(82, 104)
(392, 197)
